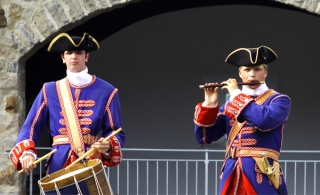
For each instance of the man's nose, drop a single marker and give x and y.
(252, 73)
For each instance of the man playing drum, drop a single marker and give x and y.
(78, 107)
(253, 120)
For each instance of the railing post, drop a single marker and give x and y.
(31, 182)
(206, 162)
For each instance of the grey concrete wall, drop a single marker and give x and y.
(158, 63)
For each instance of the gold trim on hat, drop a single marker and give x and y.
(257, 53)
(71, 40)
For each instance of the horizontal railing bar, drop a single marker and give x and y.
(199, 160)
(311, 161)
(171, 150)
(182, 160)
(196, 150)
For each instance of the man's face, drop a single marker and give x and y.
(253, 74)
(75, 60)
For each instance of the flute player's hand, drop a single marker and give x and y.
(211, 95)
(231, 85)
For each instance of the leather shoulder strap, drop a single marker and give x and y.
(232, 135)
(265, 96)
(235, 128)
(71, 117)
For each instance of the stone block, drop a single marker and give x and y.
(13, 67)
(74, 9)
(26, 34)
(15, 11)
(9, 123)
(7, 176)
(9, 82)
(1, 66)
(57, 12)
(42, 22)
(12, 104)
(3, 19)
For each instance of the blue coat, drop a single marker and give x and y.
(98, 109)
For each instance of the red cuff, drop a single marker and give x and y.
(205, 116)
(115, 155)
(235, 107)
(18, 150)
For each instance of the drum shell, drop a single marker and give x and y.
(80, 172)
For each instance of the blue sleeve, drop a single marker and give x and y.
(269, 115)
(36, 119)
(207, 134)
(114, 119)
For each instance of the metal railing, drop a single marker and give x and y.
(193, 171)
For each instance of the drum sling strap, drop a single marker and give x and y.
(274, 177)
(71, 117)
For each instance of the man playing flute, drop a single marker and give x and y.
(252, 119)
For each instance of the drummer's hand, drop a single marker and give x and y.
(27, 163)
(211, 95)
(231, 85)
(102, 146)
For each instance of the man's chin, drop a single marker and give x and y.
(74, 70)
(253, 86)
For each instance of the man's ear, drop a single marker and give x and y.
(240, 75)
(239, 70)
(62, 57)
(87, 56)
(266, 74)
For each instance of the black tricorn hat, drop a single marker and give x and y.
(64, 42)
(251, 56)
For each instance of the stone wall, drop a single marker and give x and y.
(25, 26)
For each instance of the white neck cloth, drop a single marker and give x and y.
(79, 78)
(254, 92)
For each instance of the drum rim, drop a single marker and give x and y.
(68, 185)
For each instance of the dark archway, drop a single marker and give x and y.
(44, 66)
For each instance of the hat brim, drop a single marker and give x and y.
(251, 56)
(64, 42)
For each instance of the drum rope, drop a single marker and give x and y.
(97, 182)
(57, 189)
(42, 191)
(77, 185)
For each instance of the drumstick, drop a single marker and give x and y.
(41, 159)
(93, 149)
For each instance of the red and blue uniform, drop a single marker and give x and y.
(260, 129)
(98, 109)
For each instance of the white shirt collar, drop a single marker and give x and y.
(79, 78)
(258, 91)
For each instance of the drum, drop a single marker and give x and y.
(84, 178)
